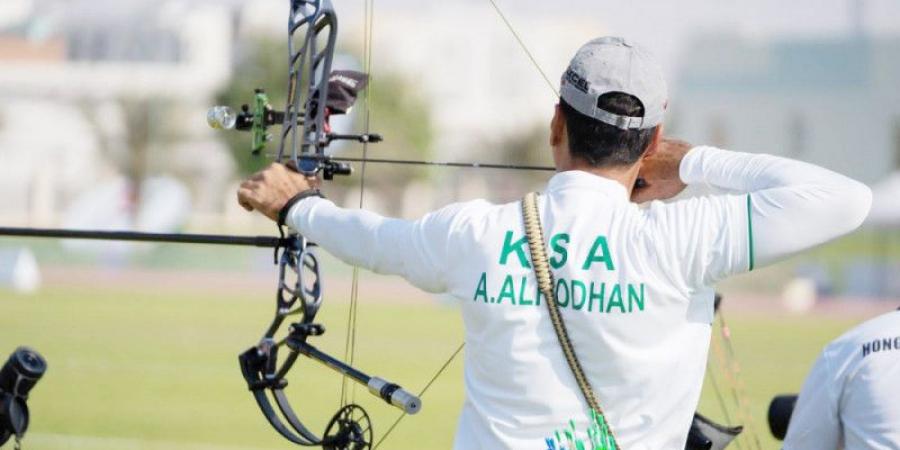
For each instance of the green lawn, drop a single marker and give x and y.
(133, 369)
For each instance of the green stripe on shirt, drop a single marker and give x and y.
(750, 230)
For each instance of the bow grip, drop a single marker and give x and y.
(395, 395)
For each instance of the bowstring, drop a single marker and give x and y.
(421, 393)
(724, 367)
(720, 399)
(524, 47)
(738, 387)
(350, 339)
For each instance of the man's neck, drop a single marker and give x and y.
(625, 175)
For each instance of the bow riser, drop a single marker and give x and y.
(311, 19)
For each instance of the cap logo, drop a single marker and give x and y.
(340, 78)
(577, 80)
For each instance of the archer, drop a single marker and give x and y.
(619, 323)
(849, 398)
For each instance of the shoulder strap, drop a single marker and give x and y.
(535, 236)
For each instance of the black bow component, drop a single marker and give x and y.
(708, 435)
(300, 294)
(344, 87)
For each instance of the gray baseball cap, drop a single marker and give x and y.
(614, 64)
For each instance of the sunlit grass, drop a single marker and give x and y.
(138, 369)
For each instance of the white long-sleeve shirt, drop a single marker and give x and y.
(851, 397)
(633, 285)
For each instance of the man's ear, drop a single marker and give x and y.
(557, 127)
(654, 143)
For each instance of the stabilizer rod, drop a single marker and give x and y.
(391, 393)
(215, 239)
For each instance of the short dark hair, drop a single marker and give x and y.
(600, 144)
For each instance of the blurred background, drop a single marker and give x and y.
(103, 126)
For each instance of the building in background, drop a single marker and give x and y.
(106, 49)
(830, 101)
(66, 70)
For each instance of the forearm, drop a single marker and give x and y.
(792, 205)
(750, 172)
(367, 240)
(350, 235)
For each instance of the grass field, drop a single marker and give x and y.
(157, 368)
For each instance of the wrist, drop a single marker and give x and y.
(286, 209)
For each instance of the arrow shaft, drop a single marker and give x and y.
(443, 164)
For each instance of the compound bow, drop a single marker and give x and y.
(305, 134)
(314, 94)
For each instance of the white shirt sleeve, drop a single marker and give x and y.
(775, 207)
(416, 250)
(815, 424)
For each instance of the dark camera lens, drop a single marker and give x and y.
(780, 411)
(21, 372)
(30, 363)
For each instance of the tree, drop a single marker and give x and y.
(395, 110)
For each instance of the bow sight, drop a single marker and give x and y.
(305, 127)
(262, 115)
